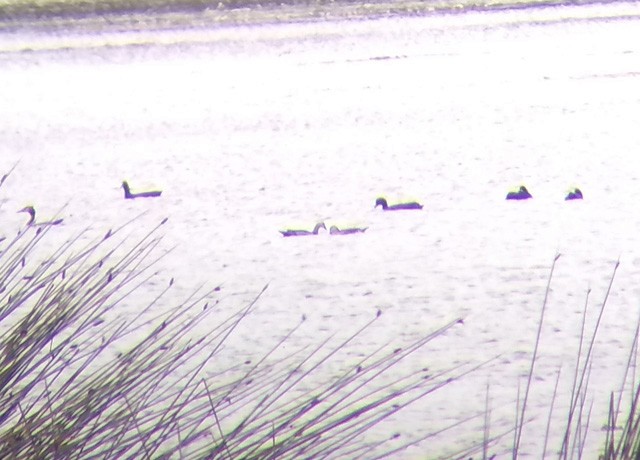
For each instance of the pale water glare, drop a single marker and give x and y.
(249, 130)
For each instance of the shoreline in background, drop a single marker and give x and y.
(16, 15)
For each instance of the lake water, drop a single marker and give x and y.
(253, 129)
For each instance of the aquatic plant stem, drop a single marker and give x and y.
(487, 422)
(576, 372)
(583, 375)
(533, 359)
(553, 399)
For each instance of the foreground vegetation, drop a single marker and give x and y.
(88, 370)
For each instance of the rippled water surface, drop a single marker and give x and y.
(249, 130)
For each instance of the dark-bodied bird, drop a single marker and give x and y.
(318, 226)
(32, 220)
(129, 196)
(395, 207)
(574, 194)
(521, 194)
(333, 230)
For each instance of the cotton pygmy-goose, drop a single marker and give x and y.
(318, 226)
(574, 194)
(521, 194)
(333, 230)
(395, 207)
(128, 195)
(32, 220)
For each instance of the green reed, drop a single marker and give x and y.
(88, 371)
(577, 420)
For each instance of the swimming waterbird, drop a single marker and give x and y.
(128, 195)
(318, 226)
(521, 194)
(32, 220)
(395, 207)
(333, 230)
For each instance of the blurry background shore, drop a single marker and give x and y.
(132, 15)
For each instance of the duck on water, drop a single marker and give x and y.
(315, 231)
(521, 194)
(333, 230)
(574, 194)
(32, 220)
(396, 207)
(129, 196)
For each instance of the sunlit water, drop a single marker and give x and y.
(249, 130)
